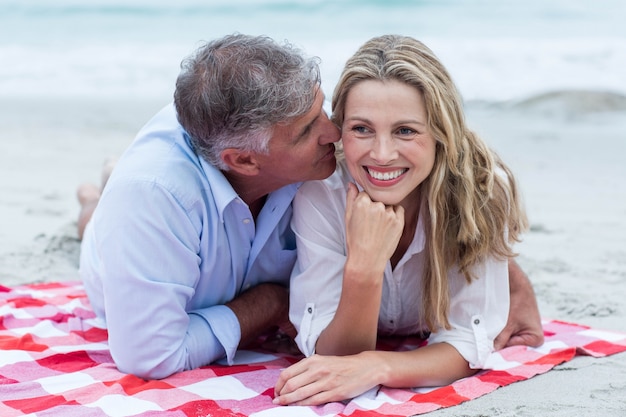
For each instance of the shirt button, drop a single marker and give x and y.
(309, 310)
(246, 221)
(476, 322)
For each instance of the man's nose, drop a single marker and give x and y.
(331, 132)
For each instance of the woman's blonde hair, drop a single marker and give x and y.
(473, 211)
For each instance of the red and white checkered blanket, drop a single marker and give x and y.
(55, 361)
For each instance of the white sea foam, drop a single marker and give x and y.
(496, 50)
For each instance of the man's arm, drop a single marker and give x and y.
(523, 326)
(261, 308)
(149, 258)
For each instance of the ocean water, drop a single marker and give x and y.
(496, 50)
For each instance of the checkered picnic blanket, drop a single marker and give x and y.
(55, 361)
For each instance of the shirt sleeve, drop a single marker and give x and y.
(226, 336)
(478, 311)
(316, 281)
(149, 258)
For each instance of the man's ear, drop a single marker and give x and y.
(242, 162)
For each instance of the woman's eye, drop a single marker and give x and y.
(406, 131)
(360, 129)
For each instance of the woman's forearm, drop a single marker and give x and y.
(321, 379)
(354, 327)
(433, 365)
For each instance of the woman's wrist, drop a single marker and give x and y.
(380, 369)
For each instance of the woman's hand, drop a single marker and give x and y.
(373, 230)
(322, 379)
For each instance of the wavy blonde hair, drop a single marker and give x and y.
(473, 212)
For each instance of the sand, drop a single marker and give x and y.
(565, 148)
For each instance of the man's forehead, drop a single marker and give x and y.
(319, 103)
(327, 106)
(302, 121)
(299, 127)
(303, 128)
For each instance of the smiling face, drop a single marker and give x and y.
(387, 144)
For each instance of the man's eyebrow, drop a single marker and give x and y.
(306, 129)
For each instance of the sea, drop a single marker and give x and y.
(496, 50)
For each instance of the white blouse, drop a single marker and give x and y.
(478, 311)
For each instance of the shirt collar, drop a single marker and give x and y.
(222, 190)
(224, 193)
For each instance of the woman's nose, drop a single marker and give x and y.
(384, 150)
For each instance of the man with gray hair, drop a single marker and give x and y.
(188, 253)
(189, 250)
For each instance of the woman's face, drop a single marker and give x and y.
(387, 144)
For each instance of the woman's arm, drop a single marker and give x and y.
(372, 234)
(319, 293)
(321, 379)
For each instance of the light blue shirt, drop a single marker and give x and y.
(168, 245)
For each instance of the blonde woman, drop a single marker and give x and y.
(411, 235)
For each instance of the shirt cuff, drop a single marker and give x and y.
(225, 332)
(305, 340)
(484, 346)
(473, 344)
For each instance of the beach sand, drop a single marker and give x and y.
(566, 150)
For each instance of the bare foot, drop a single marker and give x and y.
(107, 168)
(88, 197)
(89, 194)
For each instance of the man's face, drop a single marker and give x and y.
(302, 150)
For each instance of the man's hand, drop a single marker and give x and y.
(523, 326)
(281, 342)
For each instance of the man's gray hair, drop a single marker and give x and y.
(232, 91)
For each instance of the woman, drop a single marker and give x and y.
(430, 216)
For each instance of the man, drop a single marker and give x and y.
(188, 253)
